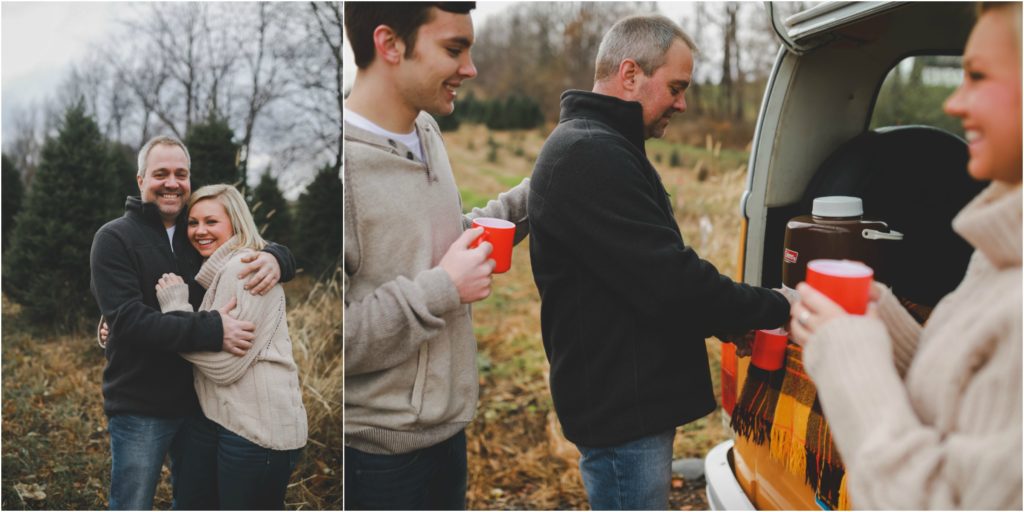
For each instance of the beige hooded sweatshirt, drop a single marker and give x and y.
(410, 354)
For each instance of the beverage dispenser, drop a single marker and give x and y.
(836, 229)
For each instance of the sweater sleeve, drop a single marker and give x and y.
(115, 284)
(894, 458)
(510, 205)
(265, 311)
(174, 298)
(604, 206)
(903, 329)
(387, 327)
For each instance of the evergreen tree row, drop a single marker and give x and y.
(515, 112)
(81, 184)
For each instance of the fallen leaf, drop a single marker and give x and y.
(30, 491)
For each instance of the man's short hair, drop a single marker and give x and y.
(405, 18)
(167, 140)
(645, 39)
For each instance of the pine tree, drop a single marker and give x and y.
(214, 154)
(317, 241)
(124, 165)
(13, 193)
(270, 211)
(448, 123)
(46, 269)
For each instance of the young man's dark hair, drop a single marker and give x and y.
(405, 18)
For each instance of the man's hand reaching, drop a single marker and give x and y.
(238, 334)
(744, 342)
(265, 271)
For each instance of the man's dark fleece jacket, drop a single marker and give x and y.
(144, 374)
(625, 304)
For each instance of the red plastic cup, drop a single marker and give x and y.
(500, 233)
(769, 351)
(844, 281)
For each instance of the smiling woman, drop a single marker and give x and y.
(253, 398)
(929, 417)
(208, 226)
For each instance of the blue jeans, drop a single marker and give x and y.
(431, 478)
(635, 475)
(251, 477)
(138, 445)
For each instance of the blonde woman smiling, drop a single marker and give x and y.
(930, 417)
(255, 399)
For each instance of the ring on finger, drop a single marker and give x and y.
(804, 317)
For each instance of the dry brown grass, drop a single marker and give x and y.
(517, 456)
(56, 449)
(314, 323)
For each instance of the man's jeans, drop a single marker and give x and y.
(635, 475)
(432, 478)
(138, 445)
(252, 477)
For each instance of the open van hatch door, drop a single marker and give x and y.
(806, 30)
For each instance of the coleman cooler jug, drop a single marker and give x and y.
(835, 229)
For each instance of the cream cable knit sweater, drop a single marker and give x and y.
(256, 396)
(931, 418)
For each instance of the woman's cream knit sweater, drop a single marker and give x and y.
(256, 396)
(930, 418)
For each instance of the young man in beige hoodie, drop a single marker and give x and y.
(410, 355)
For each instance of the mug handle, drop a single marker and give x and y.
(480, 239)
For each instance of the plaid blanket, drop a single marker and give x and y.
(781, 409)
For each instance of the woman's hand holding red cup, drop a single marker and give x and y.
(815, 309)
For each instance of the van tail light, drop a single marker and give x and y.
(728, 377)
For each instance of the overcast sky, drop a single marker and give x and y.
(40, 40)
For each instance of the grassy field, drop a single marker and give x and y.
(517, 456)
(56, 448)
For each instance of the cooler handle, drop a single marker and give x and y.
(873, 234)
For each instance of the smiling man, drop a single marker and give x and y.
(625, 304)
(410, 355)
(148, 391)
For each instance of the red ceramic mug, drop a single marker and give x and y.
(769, 350)
(846, 282)
(501, 234)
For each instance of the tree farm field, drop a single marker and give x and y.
(517, 456)
(56, 447)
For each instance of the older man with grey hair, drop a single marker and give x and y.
(625, 303)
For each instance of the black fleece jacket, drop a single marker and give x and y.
(144, 374)
(625, 304)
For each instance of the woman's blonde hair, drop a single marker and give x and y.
(1011, 12)
(246, 233)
